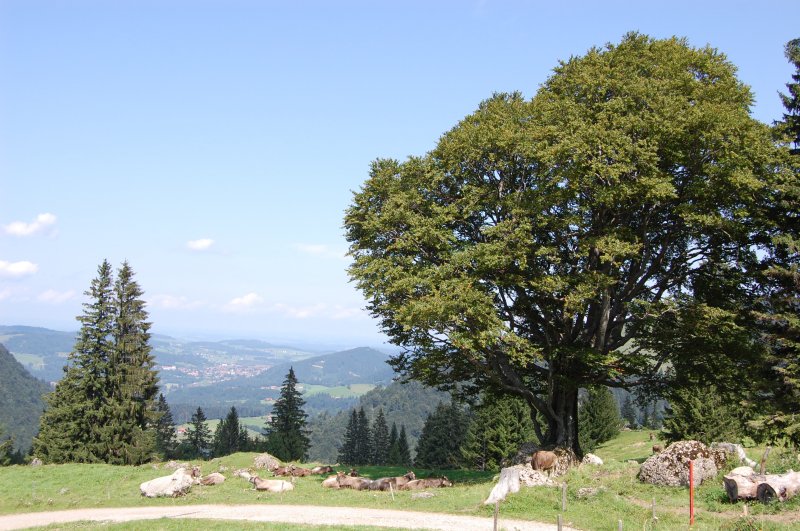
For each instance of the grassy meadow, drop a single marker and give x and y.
(620, 495)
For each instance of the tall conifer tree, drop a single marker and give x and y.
(287, 437)
(165, 429)
(71, 426)
(347, 452)
(498, 427)
(364, 451)
(442, 435)
(380, 440)
(198, 435)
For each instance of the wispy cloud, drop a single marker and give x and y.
(320, 250)
(17, 269)
(345, 312)
(52, 296)
(299, 312)
(174, 302)
(203, 244)
(42, 223)
(5, 293)
(244, 303)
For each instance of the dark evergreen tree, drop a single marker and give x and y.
(791, 101)
(703, 414)
(628, 411)
(6, 449)
(598, 418)
(198, 435)
(287, 437)
(442, 435)
(104, 408)
(71, 426)
(496, 430)
(347, 452)
(363, 447)
(133, 381)
(230, 436)
(394, 450)
(777, 401)
(380, 440)
(403, 450)
(166, 441)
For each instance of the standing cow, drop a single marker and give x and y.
(544, 460)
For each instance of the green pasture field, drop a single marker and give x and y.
(621, 496)
(341, 391)
(30, 359)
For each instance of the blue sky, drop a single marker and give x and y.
(215, 144)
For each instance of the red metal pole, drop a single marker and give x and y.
(691, 492)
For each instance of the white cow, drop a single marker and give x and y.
(174, 485)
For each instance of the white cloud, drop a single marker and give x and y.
(55, 297)
(299, 312)
(342, 312)
(320, 250)
(174, 302)
(40, 224)
(244, 303)
(203, 244)
(17, 269)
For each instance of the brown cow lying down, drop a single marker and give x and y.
(271, 485)
(394, 482)
(299, 472)
(544, 460)
(331, 482)
(282, 471)
(322, 469)
(427, 483)
(214, 478)
(177, 484)
(349, 482)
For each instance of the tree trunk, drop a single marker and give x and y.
(779, 488)
(741, 487)
(562, 420)
(764, 487)
(508, 483)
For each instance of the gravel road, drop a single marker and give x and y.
(297, 514)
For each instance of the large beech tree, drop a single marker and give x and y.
(540, 239)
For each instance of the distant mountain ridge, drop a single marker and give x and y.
(21, 401)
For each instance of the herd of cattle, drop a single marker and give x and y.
(181, 481)
(184, 477)
(341, 480)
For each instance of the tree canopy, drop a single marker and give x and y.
(537, 245)
(287, 436)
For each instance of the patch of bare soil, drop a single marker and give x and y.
(295, 514)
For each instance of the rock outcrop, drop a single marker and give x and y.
(266, 461)
(671, 467)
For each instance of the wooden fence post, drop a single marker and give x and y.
(691, 492)
(563, 496)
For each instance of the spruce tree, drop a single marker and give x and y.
(703, 414)
(439, 444)
(133, 381)
(166, 442)
(363, 449)
(347, 452)
(497, 429)
(628, 411)
(72, 424)
(403, 450)
(380, 440)
(287, 437)
(6, 449)
(394, 450)
(230, 436)
(598, 418)
(104, 408)
(198, 435)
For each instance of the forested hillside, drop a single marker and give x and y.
(21, 401)
(41, 351)
(406, 404)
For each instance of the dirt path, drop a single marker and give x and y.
(296, 514)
